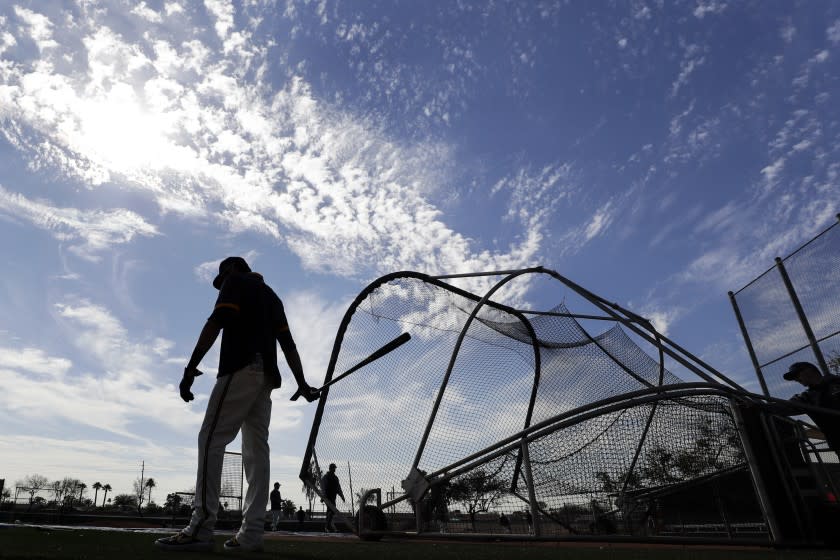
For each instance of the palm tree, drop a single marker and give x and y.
(107, 488)
(150, 484)
(81, 486)
(313, 473)
(96, 486)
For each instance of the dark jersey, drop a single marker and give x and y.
(825, 395)
(331, 486)
(251, 316)
(276, 500)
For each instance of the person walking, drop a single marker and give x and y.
(331, 487)
(252, 321)
(301, 517)
(276, 506)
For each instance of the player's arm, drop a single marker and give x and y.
(287, 345)
(226, 310)
(205, 341)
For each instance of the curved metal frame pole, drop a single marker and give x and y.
(422, 446)
(345, 321)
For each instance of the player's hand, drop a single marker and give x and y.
(186, 383)
(307, 392)
(310, 393)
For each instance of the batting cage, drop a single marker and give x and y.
(456, 414)
(230, 496)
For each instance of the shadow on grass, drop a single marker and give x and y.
(89, 544)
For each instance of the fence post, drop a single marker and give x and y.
(812, 340)
(748, 342)
(532, 496)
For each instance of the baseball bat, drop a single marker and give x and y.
(392, 345)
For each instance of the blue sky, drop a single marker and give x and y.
(658, 153)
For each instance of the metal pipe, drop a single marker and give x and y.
(475, 274)
(758, 480)
(748, 342)
(532, 495)
(571, 315)
(784, 470)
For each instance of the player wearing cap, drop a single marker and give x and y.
(252, 320)
(331, 487)
(822, 391)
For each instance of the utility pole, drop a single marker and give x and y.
(140, 493)
(352, 502)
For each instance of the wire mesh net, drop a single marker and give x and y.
(814, 270)
(230, 495)
(32, 496)
(770, 318)
(526, 424)
(774, 328)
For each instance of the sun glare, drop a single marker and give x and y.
(122, 134)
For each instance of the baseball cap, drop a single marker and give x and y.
(226, 266)
(796, 368)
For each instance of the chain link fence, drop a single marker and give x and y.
(791, 313)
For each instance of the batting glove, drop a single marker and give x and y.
(186, 383)
(310, 393)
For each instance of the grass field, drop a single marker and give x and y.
(91, 544)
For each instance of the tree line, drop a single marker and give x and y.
(70, 492)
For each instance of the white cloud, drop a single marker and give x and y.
(772, 172)
(706, 7)
(223, 12)
(34, 360)
(833, 32)
(147, 13)
(662, 319)
(534, 195)
(788, 32)
(89, 232)
(173, 8)
(204, 143)
(599, 221)
(692, 59)
(40, 28)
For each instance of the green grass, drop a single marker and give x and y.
(89, 544)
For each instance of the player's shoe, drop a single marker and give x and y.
(180, 541)
(233, 545)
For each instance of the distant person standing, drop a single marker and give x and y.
(504, 522)
(253, 320)
(276, 506)
(331, 488)
(529, 520)
(301, 517)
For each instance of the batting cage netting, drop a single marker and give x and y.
(231, 493)
(491, 419)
